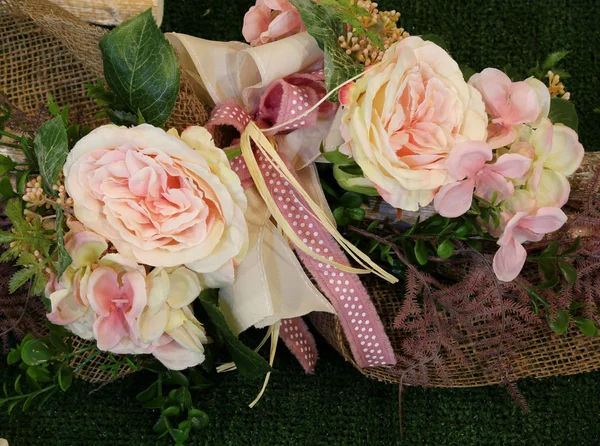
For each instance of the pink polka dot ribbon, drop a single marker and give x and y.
(282, 101)
(364, 331)
(300, 342)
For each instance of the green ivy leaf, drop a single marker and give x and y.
(561, 323)
(568, 271)
(563, 112)
(51, 146)
(249, 363)
(141, 68)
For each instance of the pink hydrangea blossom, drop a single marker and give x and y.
(508, 104)
(468, 164)
(271, 20)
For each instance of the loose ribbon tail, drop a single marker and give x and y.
(316, 241)
(300, 342)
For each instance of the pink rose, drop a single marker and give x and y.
(405, 116)
(160, 200)
(271, 20)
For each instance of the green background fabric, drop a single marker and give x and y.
(337, 405)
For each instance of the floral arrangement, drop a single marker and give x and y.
(156, 247)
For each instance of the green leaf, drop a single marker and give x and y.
(147, 395)
(437, 40)
(548, 268)
(6, 189)
(175, 378)
(161, 426)
(141, 68)
(340, 216)
(122, 117)
(337, 157)
(20, 278)
(14, 356)
(550, 283)
(467, 72)
(179, 436)
(6, 164)
(22, 177)
(568, 271)
(198, 419)
(351, 178)
(45, 398)
(563, 112)
(573, 248)
(553, 59)
(357, 214)
(65, 377)
(421, 253)
(11, 406)
(561, 323)
(17, 385)
(249, 363)
(155, 403)
(199, 381)
(587, 327)
(51, 146)
(39, 374)
(171, 411)
(28, 402)
(351, 200)
(64, 259)
(445, 250)
(550, 250)
(35, 352)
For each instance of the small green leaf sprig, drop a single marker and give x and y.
(171, 393)
(44, 368)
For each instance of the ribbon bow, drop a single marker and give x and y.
(260, 86)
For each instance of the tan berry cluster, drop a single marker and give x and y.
(556, 87)
(35, 197)
(360, 46)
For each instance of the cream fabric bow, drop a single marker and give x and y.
(270, 283)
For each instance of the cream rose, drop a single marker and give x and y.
(404, 116)
(161, 200)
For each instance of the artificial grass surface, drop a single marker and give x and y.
(337, 405)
